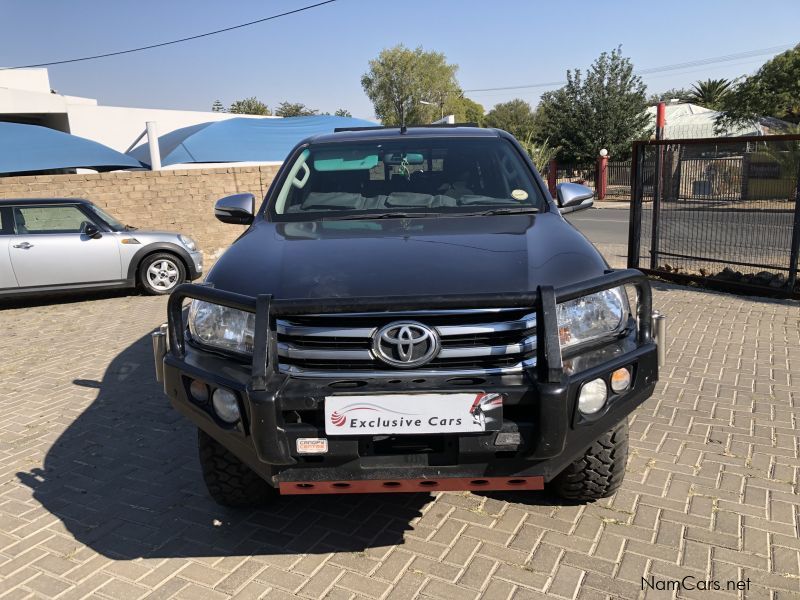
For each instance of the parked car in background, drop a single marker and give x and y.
(56, 244)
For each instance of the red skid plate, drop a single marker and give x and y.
(378, 486)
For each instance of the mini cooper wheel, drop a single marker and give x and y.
(160, 273)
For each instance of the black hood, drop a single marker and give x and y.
(406, 257)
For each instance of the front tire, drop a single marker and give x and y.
(160, 273)
(599, 472)
(229, 481)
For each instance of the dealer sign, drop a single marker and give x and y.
(413, 413)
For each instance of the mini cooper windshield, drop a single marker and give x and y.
(405, 179)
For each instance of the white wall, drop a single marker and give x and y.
(26, 92)
(118, 126)
(31, 80)
(14, 101)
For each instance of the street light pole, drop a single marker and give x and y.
(440, 104)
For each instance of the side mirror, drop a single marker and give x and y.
(90, 230)
(573, 196)
(238, 209)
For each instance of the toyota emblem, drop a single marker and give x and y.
(405, 344)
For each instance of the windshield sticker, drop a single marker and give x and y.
(519, 195)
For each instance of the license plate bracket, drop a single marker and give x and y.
(409, 414)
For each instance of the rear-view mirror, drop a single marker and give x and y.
(90, 230)
(573, 196)
(238, 209)
(399, 158)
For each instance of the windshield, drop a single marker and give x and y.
(108, 219)
(407, 178)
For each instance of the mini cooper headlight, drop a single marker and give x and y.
(188, 242)
(222, 327)
(591, 317)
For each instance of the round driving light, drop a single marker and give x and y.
(225, 405)
(620, 380)
(592, 397)
(199, 391)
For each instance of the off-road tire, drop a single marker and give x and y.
(599, 472)
(175, 265)
(229, 481)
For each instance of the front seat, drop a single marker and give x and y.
(460, 177)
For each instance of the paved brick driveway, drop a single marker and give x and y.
(100, 493)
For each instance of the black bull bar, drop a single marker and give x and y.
(266, 379)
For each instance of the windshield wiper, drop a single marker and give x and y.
(386, 215)
(130, 228)
(508, 210)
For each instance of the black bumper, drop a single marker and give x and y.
(544, 431)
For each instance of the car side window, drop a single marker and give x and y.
(49, 219)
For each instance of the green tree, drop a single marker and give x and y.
(473, 111)
(787, 155)
(710, 93)
(679, 94)
(541, 153)
(217, 106)
(773, 91)
(249, 106)
(399, 79)
(343, 112)
(606, 109)
(515, 116)
(464, 109)
(294, 109)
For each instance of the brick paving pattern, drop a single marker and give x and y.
(101, 495)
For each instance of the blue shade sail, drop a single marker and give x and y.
(32, 148)
(242, 139)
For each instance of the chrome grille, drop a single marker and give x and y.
(485, 341)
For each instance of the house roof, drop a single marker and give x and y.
(687, 120)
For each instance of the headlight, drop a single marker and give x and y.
(592, 317)
(222, 327)
(188, 242)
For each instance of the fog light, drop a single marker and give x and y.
(199, 391)
(225, 405)
(620, 380)
(592, 397)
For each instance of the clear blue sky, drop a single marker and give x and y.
(317, 57)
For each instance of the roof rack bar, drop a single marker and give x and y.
(429, 125)
(376, 127)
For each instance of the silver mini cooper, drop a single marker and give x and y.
(65, 243)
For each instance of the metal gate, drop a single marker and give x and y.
(723, 211)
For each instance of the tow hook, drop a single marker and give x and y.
(660, 336)
(159, 339)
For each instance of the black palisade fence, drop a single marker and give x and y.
(619, 180)
(724, 211)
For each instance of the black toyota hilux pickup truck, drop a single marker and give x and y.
(409, 311)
